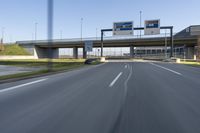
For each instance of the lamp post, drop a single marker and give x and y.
(2, 32)
(81, 29)
(61, 34)
(140, 22)
(96, 34)
(36, 24)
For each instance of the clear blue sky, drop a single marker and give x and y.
(18, 16)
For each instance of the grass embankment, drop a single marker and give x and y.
(13, 49)
(57, 65)
(193, 64)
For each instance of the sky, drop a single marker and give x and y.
(18, 17)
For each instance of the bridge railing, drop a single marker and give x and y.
(97, 38)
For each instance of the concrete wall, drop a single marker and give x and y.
(43, 52)
(39, 52)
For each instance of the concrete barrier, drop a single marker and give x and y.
(103, 59)
(17, 57)
(178, 60)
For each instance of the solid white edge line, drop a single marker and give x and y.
(22, 85)
(166, 69)
(115, 80)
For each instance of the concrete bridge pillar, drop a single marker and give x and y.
(43, 52)
(55, 53)
(132, 51)
(84, 53)
(75, 52)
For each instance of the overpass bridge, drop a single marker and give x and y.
(39, 48)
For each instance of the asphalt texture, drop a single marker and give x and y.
(124, 97)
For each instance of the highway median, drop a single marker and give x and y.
(58, 66)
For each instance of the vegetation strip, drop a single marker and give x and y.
(59, 65)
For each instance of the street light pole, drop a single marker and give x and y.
(61, 34)
(36, 31)
(2, 32)
(96, 33)
(140, 22)
(81, 29)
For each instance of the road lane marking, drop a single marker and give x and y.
(166, 69)
(126, 66)
(22, 85)
(115, 80)
(127, 80)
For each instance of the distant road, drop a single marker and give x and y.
(125, 97)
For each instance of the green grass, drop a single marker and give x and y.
(13, 50)
(44, 71)
(57, 66)
(39, 62)
(193, 64)
(23, 75)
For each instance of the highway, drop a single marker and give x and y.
(123, 97)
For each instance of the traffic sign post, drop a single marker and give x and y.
(102, 35)
(122, 28)
(152, 27)
(88, 46)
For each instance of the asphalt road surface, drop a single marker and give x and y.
(125, 97)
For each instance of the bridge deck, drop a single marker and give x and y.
(112, 42)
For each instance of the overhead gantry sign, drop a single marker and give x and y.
(152, 27)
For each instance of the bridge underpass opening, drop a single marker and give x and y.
(125, 52)
(119, 52)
